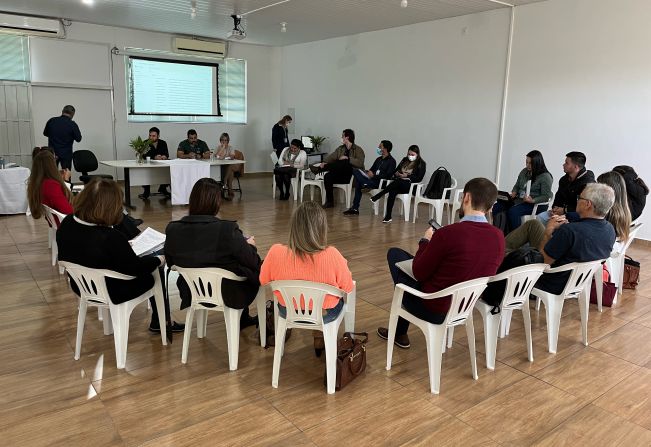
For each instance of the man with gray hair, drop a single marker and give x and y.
(562, 242)
(62, 132)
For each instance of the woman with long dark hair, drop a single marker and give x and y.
(46, 185)
(279, 134)
(636, 190)
(411, 169)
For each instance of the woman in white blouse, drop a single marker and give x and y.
(291, 159)
(226, 152)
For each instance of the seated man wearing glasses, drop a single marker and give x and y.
(561, 242)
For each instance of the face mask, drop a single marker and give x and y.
(412, 157)
(379, 151)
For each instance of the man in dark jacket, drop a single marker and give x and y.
(382, 168)
(62, 132)
(569, 187)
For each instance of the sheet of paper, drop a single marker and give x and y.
(528, 188)
(363, 172)
(147, 242)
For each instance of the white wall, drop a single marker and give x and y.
(254, 138)
(581, 80)
(436, 84)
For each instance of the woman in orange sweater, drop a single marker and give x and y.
(308, 257)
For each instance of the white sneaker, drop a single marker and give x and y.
(387, 220)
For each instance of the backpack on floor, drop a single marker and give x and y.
(494, 292)
(439, 180)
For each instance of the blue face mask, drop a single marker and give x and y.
(379, 151)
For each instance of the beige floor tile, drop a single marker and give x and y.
(630, 343)
(630, 398)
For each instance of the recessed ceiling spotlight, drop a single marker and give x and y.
(88, 2)
(404, 3)
(283, 27)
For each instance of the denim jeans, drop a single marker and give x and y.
(362, 182)
(328, 314)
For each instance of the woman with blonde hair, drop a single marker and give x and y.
(308, 257)
(226, 152)
(619, 215)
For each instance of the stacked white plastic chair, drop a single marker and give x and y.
(436, 205)
(463, 299)
(304, 307)
(577, 286)
(94, 293)
(206, 287)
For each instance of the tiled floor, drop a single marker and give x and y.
(593, 396)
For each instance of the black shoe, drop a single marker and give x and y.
(401, 341)
(176, 327)
(137, 222)
(328, 205)
(284, 196)
(351, 212)
(247, 320)
(143, 196)
(374, 199)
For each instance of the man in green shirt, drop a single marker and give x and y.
(193, 147)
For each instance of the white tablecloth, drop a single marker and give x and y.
(183, 175)
(13, 190)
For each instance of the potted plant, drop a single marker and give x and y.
(141, 147)
(317, 141)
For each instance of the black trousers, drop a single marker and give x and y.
(397, 186)
(338, 172)
(284, 176)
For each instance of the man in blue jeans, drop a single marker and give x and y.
(382, 168)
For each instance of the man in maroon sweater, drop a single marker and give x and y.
(469, 249)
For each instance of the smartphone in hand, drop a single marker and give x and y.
(434, 224)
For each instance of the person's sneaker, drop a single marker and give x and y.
(401, 341)
(176, 327)
(351, 212)
(385, 220)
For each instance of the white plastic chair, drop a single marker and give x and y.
(534, 211)
(347, 188)
(54, 219)
(316, 182)
(435, 204)
(405, 199)
(464, 296)
(457, 201)
(304, 306)
(294, 184)
(206, 287)
(376, 205)
(92, 286)
(615, 265)
(519, 282)
(577, 286)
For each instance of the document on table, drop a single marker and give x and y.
(406, 266)
(147, 242)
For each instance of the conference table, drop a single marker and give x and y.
(157, 172)
(13, 190)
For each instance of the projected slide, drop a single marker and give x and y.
(168, 88)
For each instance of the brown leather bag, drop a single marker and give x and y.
(351, 358)
(631, 273)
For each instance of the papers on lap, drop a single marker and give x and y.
(406, 266)
(147, 242)
(363, 172)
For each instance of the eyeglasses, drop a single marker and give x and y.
(582, 198)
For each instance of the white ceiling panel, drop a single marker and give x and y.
(307, 20)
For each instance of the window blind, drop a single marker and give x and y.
(14, 58)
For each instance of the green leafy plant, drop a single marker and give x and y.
(317, 141)
(140, 146)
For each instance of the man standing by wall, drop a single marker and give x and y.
(62, 132)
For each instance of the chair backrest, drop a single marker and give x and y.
(206, 284)
(53, 217)
(464, 297)
(581, 273)
(304, 300)
(84, 161)
(519, 282)
(92, 282)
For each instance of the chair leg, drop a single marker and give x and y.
(470, 331)
(450, 336)
(81, 319)
(584, 305)
(55, 252)
(537, 303)
(260, 303)
(186, 335)
(491, 328)
(599, 286)
(393, 324)
(202, 322)
(415, 211)
(159, 298)
(281, 327)
(505, 322)
(434, 339)
(553, 311)
(526, 316)
(330, 341)
(349, 316)
(106, 320)
(120, 333)
(232, 320)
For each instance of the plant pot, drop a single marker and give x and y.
(140, 158)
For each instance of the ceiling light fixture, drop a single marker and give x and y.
(88, 2)
(193, 9)
(283, 27)
(404, 3)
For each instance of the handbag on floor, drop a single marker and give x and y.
(271, 332)
(631, 273)
(609, 290)
(351, 358)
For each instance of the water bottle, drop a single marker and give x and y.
(2, 162)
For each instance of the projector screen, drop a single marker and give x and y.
(175, 88)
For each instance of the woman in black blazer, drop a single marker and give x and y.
(411, 169)
(200, 239)
(88, 238)
(279, 135)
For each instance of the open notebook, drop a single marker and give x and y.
(147, 242)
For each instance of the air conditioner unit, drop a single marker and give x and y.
(32, 26)
(210, 48)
